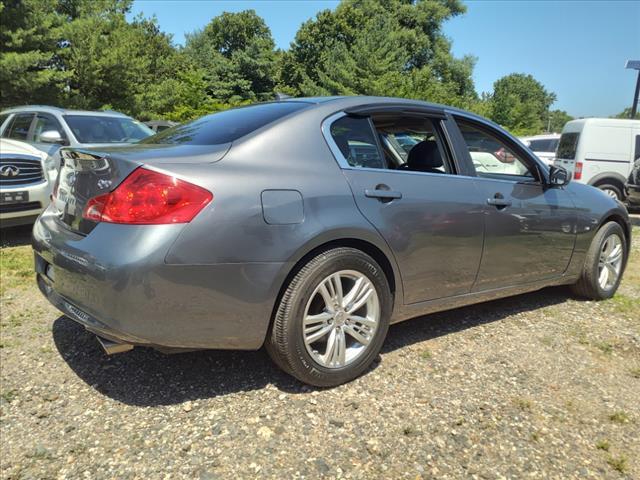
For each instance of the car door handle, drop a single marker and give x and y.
(499, 202)
(382, 194)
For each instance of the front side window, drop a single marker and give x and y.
(103, 129)
(491, 156)
(357, 142)
(45, 123)
(19, 129)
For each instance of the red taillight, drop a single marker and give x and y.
(577, 173)
(148, 197)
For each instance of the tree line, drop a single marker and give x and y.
(86, 54)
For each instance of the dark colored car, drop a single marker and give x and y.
(633, 185)
(301, 226)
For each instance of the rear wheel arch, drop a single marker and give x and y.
(616, 181)
(364, 246)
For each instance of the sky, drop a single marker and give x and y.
(577, 49)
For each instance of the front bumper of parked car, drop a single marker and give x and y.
(633, 194)
(12, 214)
(116, 283)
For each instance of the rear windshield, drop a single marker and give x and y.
(227, 126)
(544, 145)
(100, 129)
(568, 145)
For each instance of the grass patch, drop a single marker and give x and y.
(426, 354)
(16, 268)
(619, 417)
(624, 304)
(619, 464)
(603, 346)
(8, 395)
(523, 404)
(603, 445)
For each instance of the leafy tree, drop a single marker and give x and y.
(521, 104)
(379, 48)
(29, 41)
(236, 53)
(626, 113)
(556, 120)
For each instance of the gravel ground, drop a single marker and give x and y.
(540, 385)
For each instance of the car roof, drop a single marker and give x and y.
(610, 122)
(63, 111)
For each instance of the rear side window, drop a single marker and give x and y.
(357, 143)
(3, 118)
(19, 129)
(227, 126)
(568, 145)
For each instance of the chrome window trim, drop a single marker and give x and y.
(344, 165)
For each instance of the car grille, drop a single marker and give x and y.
(20, 171)
(19, 207)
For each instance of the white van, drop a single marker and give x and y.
(600, 152)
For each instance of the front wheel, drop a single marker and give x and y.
(604, 263)
(332, 319)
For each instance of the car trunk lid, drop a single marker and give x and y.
(85, 174)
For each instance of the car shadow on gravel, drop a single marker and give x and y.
(145, 377)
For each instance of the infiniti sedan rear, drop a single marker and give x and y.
(308, 226)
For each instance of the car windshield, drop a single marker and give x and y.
(227, 126)
(103, 129)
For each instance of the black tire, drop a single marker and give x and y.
(285, 342)
(609, 187)
(588, 285)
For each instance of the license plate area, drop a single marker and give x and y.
(14, 197)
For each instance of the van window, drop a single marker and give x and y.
(637, 150)
(568, 145)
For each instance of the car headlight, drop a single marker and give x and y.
(51, 168)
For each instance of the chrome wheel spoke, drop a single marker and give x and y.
(604, 277)
(336, 349)
(362, 320)
(358, 298)
(359, 337)
(317, 334)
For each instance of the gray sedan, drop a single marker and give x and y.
(310, 225)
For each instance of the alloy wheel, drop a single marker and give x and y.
(341, 319)
(610, 262)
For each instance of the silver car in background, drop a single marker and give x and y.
(310, 225)
(27, 176)
(49, 128)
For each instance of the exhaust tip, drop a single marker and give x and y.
(111, 347)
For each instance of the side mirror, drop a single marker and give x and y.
(52, 136)
(558, 176)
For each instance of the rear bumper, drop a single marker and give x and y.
(116, 283)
